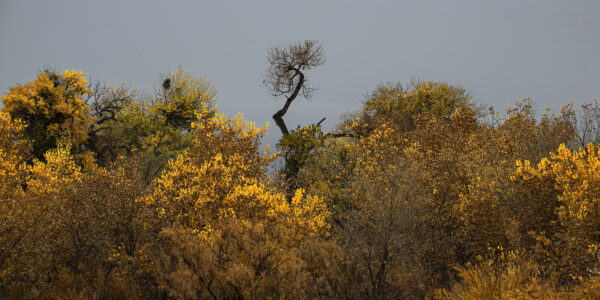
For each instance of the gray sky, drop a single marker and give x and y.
(499, 50)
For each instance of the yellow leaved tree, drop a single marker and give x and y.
(53, 109)
(17, 217)
(226, 230)
(569, 181)
(397, 105)
(34, 205)
(180, 96)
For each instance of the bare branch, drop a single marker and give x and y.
(322, 120)
(285, 74)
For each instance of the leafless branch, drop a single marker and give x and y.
(285, 75)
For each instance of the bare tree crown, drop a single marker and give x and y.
(286, 66)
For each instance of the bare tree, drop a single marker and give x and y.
(105, 104)
(587, 125)
(285, 75)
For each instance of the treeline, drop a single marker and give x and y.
(107, 193)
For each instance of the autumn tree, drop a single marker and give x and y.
(449, 173)
(180, 96)
(53, 108)
(397, 105)
(225, 230)
(530, 138)
(567, 180)
(19, 217)
(31, 264)
(155, 127)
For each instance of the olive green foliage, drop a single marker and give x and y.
(180, 96)
(297, 149)
(395, 104)
(155, 127)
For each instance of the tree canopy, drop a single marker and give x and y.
(53, 108)
(107, 192)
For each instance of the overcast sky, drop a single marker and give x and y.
(499, 50)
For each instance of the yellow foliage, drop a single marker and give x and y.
(53, 109)
(407, 200)
(569, 240)
(512, 280)
(221, 218)
(182, 96)
(222, 178)
(398, 105)
(15, 211)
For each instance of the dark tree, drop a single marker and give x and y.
(285, 75)
(105, 105)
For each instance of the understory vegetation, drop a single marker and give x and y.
(108, 193)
